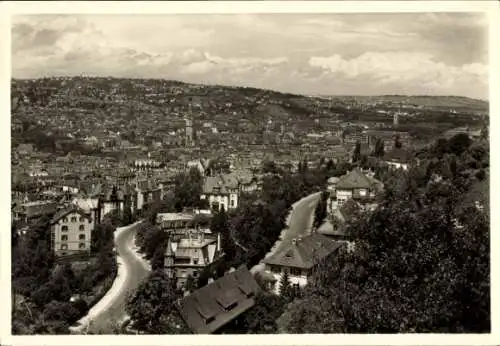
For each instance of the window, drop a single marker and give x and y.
(81, 228)
(81, 237)
(195, 273)
(275, 269)
(195, 260)
(64, 246)
(82, 218)
(65, 219)
(295, 272)
(73, 219)
(362, 192)
(64, 237)
(64, 228)
(81, 246)
(232, 203)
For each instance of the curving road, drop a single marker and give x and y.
(132, 270)
(299, 224)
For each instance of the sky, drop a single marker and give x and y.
(315, 54)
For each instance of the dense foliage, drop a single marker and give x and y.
(421, 260)
(42, 287)
(152, 307)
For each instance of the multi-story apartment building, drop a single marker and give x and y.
(189, 254)
(71, 231)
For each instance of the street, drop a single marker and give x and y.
(299, 224)
(131, 271)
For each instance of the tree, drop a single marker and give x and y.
(60, 311)
(284, 284)
(262, 317)
(152, 304)
(378, 151)
(419, 265)
(356, 155)
(158, 258)
(320, 211)
(397, 142)
(220, 225)
(187, 189)
(459, 143)
(190, 284)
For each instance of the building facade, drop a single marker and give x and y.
(221, 191)
(299, 259)
(71, 232)
(356, 185)
(187, 255)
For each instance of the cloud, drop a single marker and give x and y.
(306, 53)
(403, 69)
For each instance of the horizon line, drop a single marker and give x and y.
(249, 87)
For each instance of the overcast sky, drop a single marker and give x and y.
(330, 54)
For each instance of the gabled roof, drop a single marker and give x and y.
(212, 306)
(304, 253)
(222, 181)
(71, 209)
(355, 179)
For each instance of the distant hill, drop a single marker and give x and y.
(420, 100)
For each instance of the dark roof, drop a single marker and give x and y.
(356, 179)
(212, 306)
(37, 208)
(398, 155)
(63, 212)
(305, 253)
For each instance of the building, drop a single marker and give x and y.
(201, 165)
(221, 191)
(389, 138)
(300, 258)
(355, 184)
(208, 309)
(146, 192)
(335, 223)
(396, 119)
(30, 213)
(189, 132)
(113, 199)
(89, 206)
(398, 158)
(188, 254)
(175, 222)
(71, 231)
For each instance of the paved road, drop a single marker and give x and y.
(131, 271)
(299, 224)
(301, 218)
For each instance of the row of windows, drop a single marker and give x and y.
(80, 246)
(64, 228)
(73, 219)
(291, 271)
(65, 237)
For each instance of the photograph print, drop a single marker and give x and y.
(270, 173)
